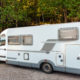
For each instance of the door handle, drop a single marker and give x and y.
(59, 56)
(18, 54)
(61, 60)
(78, 58)
(4, 48)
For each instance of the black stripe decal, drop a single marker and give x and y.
(11, 58)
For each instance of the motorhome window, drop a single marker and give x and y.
(68, 34)
(27, 40)
(13, 40)
(2, 40)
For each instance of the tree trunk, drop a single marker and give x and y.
(38, 20)
(65, 15)
(43, 17)
(16, 23)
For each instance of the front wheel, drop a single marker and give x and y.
(47, 68)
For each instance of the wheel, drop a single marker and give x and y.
(47, 68)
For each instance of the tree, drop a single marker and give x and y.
(32, 12)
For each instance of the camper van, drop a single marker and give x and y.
(50, 47)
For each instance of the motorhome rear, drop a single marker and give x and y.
(52, 47)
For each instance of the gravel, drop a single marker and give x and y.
(10, 72)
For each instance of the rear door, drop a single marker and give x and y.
(72, 58)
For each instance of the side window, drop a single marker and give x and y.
(27, 40)
(13, 40)
(2, 39)
(68, 34)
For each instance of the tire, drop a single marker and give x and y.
(47, 68)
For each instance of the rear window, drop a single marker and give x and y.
(68, 33)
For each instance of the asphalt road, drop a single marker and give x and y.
(10, 72)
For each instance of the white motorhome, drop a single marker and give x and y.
(52, 47)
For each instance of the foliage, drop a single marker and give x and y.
(15, 13)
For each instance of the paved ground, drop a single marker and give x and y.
(9, 72)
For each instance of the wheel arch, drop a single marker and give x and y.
(46, 61)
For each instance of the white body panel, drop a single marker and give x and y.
(62, 56)
(72, 53)
(59, 59)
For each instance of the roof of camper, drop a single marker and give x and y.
(73, 23)
(45, 25)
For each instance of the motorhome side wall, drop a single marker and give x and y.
(40, 35)
(33, 55)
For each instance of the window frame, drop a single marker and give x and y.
(2, 41)
(69, 28)
(19, 40)
(27, 36)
